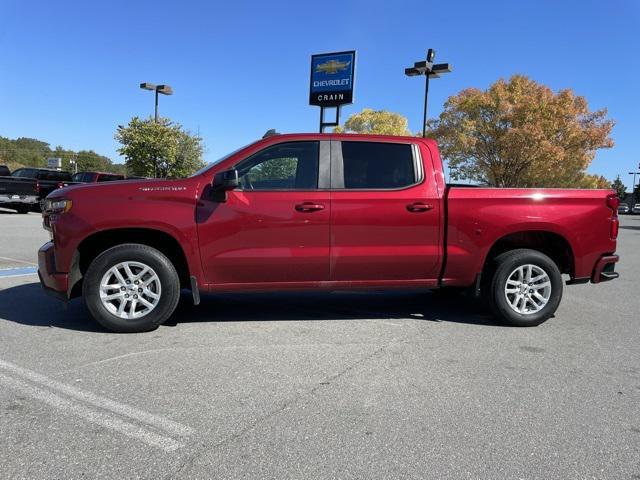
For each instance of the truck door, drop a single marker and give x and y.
(386, 214)
(275, 227)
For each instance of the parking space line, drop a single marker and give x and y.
(161, 423)
(17, 272)
(19, 261)
(106, 420)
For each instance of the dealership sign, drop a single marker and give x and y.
(332, 78)
(54, 163)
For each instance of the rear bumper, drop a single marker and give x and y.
(604, 269)
(53, 282)
(18, 200)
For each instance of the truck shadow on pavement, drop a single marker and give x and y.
(27, 304)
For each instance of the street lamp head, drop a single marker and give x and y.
(411, 72)
(164, 89)
(147, 86)
(431, 55)
(441, 68)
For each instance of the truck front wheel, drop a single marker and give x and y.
(525, 288)
(131, 288)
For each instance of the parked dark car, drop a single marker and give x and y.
(16, 195)
(92, 177)
(29, 186)
(623, 208)
(4, 171)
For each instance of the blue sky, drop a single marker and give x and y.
(70, 69)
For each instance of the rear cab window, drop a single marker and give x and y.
(379, 165)
(25, 173)
(85, 177)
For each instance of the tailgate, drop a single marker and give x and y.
(17, 186)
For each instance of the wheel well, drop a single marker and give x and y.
(551, 244)
(97, 243)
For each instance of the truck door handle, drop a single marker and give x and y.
(417, 207)
(309, 207)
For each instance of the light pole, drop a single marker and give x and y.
(163, 89)
(633, 187)
(428, 69)
(74, 162)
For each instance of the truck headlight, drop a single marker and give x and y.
(58, 206)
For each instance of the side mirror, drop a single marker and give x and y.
(223, 182)
(227, 180)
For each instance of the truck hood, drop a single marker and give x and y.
(134, 188)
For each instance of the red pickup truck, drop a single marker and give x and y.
(322, 212)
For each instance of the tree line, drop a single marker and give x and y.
(30, 152)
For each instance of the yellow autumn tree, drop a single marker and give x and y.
(381, 122)
(519, 133)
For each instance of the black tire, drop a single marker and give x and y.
(132, 252)
(498, 273)
(22, 209)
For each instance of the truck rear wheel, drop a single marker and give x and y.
(525, 288)
(131, 288)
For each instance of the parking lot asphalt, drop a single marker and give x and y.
(342, 385)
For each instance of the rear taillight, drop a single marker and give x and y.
(60, 185)
(615, 225)
(613, 202)
(37, 186)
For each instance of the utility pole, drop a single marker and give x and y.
(428, 69)
(633, 187)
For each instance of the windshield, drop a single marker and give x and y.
(215, 162)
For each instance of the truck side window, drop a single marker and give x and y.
(286, 166)
(378, 165)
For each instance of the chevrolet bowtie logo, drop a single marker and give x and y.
(332, 66)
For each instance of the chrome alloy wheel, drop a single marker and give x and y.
(528, 289)
(130, 290)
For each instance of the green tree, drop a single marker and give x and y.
(159, 149)
(619, 187)
(30, 152)
(189, 152)
(24, 151)
(88, 160)
(519, 133)
(381, 122)
(275, 168)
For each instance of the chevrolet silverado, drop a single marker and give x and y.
(322, 212)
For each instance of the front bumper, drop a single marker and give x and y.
(603, 271)
(52, 282)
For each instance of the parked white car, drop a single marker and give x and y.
(636, 208)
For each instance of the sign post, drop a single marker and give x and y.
(331, 83)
